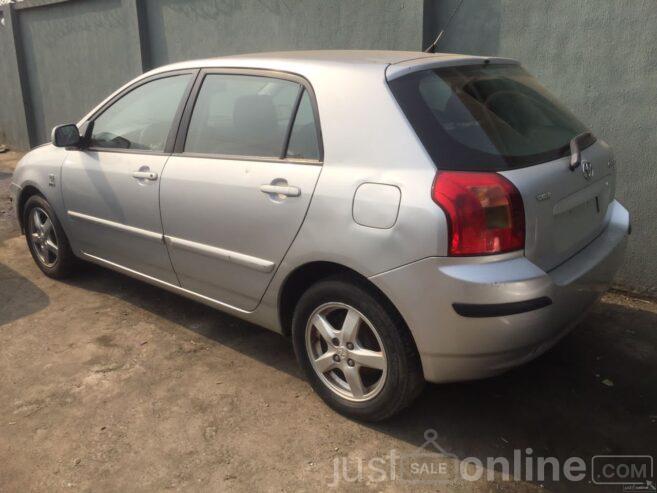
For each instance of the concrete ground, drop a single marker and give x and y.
(109, 384)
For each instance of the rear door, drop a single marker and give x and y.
(496, 117)
(234, 195)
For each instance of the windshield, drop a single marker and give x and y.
(485, 117)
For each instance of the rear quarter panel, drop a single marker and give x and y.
(366, 140)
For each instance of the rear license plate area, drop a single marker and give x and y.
(575, 225)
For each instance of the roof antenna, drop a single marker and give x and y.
(432, 47)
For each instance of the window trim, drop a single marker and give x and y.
(183, 128)
(175, 122)
(293, 120)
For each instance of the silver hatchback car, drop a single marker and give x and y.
(403, 217)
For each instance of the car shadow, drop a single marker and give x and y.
(594, 393)
(251, 340)
(19, 297)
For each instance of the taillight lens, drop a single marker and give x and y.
(484, 211)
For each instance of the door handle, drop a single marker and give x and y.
(287, 190)
(145, 175)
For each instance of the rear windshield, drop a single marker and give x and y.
(485, 117)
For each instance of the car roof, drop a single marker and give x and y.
(297, 61)
(315, 57)
(340, 56)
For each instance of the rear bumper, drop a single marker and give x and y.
(480, 344)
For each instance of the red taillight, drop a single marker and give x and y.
(484, 211)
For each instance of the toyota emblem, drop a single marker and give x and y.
(587, 169)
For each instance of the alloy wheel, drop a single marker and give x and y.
(346, 351)
(43, 237)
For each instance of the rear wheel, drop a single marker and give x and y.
(46, 238)
(356, 352)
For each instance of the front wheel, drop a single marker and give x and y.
(356, 352)
(46, 238)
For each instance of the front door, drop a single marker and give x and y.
(234, 200)
(111, 188)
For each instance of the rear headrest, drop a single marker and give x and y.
(255, 114)
(461, 106)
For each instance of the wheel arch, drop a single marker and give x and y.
(28, 191)
(304, 276)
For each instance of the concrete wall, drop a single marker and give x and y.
(205, 28)
(72, 53)
(59, 57)
(600, 58)
(75, 53)
(13, 119)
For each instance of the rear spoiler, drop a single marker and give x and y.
(400, 69)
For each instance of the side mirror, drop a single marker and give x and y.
(66, 136)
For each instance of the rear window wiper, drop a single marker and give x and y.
(584, 139)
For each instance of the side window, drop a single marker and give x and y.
(303, 139)
(142, 118)
(241, 115)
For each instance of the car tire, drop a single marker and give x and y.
(46, 239)
(386, 386)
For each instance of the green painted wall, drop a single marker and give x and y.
(13, 124)
(75, 54)
(600, 58)
(205, 28)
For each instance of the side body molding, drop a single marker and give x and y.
(255, 263)
(144, 233)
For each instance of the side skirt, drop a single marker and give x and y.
(233, 310)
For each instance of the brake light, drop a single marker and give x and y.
(484, 211)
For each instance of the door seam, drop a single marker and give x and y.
(159, 209)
